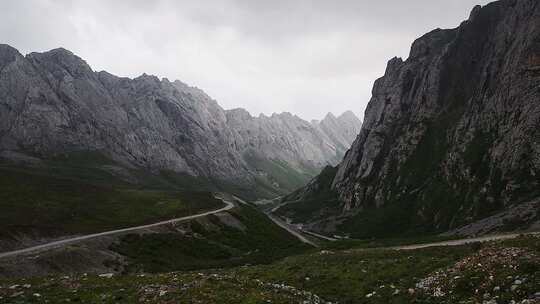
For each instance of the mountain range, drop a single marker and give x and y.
(53, 104)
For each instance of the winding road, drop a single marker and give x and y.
(275, 219)
(61, 243)
(291, 230)
(300, 235)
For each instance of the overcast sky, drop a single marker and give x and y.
(304, 57)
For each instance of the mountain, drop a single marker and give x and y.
(53, 104)
(341, 130)
(451, 136)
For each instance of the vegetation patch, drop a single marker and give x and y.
(71, 196)
(280, 174)
(320, 201)
(211, 245)
(500, 272)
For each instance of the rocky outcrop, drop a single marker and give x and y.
(53, 103)
(452, 134)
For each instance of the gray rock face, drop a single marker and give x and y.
(452, 134)
(53, 103)
(341, 131)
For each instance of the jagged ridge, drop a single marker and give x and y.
(53, 103)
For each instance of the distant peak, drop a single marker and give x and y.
(329, 115)
(58, 54)
(6, 48)
(61, 51)
(146, 77)
(8, 54)
(282, 115)
(348, 114)
(241, 112)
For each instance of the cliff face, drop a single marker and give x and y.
(53, 103)
(452, 134)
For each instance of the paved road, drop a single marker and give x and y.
(464, 241)
(324, 237)
(287, 227)
(64, 242)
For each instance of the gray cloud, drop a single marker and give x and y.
(305, 57)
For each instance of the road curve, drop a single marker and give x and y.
(62, 243)
(295, 233)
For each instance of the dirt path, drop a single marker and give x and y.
(65, 242)
(464, 241)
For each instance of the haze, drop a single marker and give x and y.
(304, 57)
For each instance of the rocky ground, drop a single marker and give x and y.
(492, 275)
(496, 272)
(163, 288)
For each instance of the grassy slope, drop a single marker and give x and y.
(319, 203)
(75, 195)
(280, 173)
(163, 288)
(344, 276)
(211, 245)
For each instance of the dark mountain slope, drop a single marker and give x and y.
(452, 134)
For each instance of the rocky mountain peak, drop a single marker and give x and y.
(8, 54)
(474, 12)
(238, 115)
(350, 118)
(329, 117)
(148, 79)
(59, 65)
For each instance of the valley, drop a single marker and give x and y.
(145, 190)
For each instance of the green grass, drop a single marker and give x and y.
(348, 276)
(338, 276)
(163, 288)
(211, 244)
(71, 196)
(322, 202)
(288, 178)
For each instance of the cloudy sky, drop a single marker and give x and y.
(304, 57)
